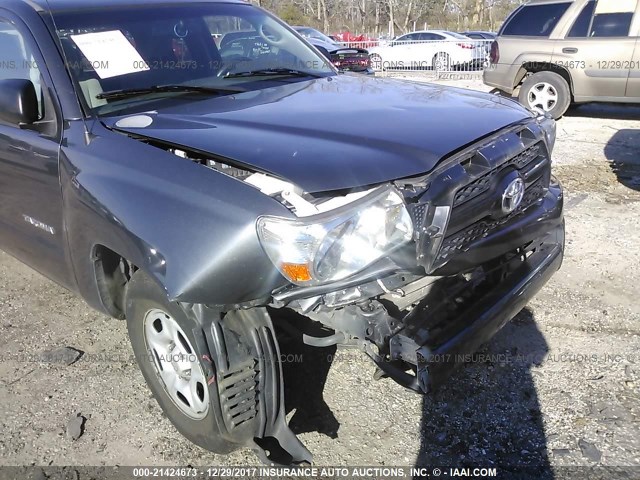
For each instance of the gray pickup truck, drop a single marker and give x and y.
(202, 193)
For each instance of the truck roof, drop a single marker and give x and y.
(539, 2)
(66, 5)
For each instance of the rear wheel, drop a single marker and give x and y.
(441, 62)
(376, 62)
(546, 92)
(165, 346)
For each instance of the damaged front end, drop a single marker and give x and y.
(418, 273)
(441, 270)
(244, 367)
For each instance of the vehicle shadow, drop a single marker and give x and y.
(488, 413)
(305, 370)
(615, 111)
(622, 153)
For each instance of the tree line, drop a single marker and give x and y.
(392, 17)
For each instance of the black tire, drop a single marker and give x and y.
(144, 295)
(551, 85)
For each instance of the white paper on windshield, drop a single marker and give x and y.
(110, 53)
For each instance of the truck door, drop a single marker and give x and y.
(31, 226)
(598, 48)
(633, 85)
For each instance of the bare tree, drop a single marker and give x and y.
(396, 17)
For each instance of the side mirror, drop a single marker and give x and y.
(18, 102)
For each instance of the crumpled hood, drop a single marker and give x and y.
(332, 133)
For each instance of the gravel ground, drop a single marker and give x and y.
(559, 386)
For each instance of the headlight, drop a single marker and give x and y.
(336, 244)
(548, 125)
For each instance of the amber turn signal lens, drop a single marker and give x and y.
(296, 272)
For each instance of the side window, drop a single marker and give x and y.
(535, 20)
(611, 25)
(17, 60)
(581, 26)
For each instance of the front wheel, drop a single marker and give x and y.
(165, 346)
(546, 92)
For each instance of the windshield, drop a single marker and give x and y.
(122, 57)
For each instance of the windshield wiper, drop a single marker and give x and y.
(268, 72)
(136, 92)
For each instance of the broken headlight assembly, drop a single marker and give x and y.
(336, 244)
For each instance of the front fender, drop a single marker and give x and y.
(189, 227)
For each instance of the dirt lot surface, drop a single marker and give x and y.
(560, 385)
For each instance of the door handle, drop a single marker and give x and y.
(569, 50)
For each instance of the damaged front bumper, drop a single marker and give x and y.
(418, 328)
(436, 346)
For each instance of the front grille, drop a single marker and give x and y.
(464, 194)
(459, 241)
(472, 190)
(526, 157)
(485, 182)
(472, 217)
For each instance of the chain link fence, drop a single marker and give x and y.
(439, 57)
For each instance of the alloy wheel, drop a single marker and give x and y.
(442, 62)
(542, 97)
(376, 62)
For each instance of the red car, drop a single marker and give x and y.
(346, 58)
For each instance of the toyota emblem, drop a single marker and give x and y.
(512, 196)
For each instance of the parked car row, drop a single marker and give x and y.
(439, 50)
(550, 53)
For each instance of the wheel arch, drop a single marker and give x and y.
(189, 227)
(112, 273)
(531, 67)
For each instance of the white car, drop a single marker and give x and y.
(434, 49)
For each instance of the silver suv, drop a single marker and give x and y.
(561, 52)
